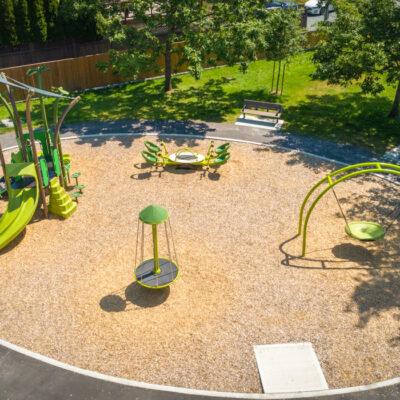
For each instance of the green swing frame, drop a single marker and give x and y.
(333, 179)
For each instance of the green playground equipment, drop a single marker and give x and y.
(219, 160)
(78, 187)
(22, 201)
(151, 158)
(47, 161)
(152, 147)
(61, 203)
(361, 230)
(155, 273)
(224, 148)
(159, 156)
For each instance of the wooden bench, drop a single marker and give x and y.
(263, 108)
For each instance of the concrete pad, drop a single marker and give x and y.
(288, 368)
(255, 122)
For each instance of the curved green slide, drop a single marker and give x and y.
(21, 205)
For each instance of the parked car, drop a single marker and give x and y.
(284, 4)
(315, 7)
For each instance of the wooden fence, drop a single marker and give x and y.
(82, 73)
(79, 73)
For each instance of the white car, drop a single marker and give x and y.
(316, 7)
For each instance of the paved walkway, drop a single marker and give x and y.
(28, 376)
(339, 152)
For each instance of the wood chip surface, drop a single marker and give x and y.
(68, 291)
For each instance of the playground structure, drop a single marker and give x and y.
(32, 171)
(155, 273)
(160, 157)
(361, 230)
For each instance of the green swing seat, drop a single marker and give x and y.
(365, 230)
(152, 147)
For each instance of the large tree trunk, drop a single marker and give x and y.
(395, 111)
(168, 66)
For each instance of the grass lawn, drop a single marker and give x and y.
(311, 107)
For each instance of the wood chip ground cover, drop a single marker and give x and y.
(68, 288)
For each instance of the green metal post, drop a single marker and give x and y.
(43, 110)
(157, 269)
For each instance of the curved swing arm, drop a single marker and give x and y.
(377, 165)
(8, 108)
(377, 168)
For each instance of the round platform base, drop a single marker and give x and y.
(147, 278)
(364, 230)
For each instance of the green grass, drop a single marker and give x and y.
(311, 107)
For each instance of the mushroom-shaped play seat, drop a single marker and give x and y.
(155, 273)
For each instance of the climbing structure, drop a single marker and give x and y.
(39, 163)
(61, 203)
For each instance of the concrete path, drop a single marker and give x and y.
(28, 376)
(331, 150)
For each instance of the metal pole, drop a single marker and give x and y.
(3, 163)
(57, 140)
(283, 77)
(18, 128)
(278, 78)
(34, 154)
(43, 110)
(273, 78)
(157, 269)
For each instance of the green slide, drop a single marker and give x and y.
(22, 203)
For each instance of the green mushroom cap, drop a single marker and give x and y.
(153, 215)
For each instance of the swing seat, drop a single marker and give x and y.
(365, 230)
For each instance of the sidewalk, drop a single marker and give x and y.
(340, 152)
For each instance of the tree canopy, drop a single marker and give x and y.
(363, 46)
(8, 32)
(199, 33)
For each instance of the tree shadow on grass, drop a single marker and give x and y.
(346, 118)
(144, 108)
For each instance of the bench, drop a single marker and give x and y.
(262, 108)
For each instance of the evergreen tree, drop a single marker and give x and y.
(51, 12)
(8, 32)
(23, 22)
(38, 20)
(78, 18)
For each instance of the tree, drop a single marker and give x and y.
(38, 20)
(23, 22)
(363, 46)
(8, 32)
(51, 13)
(283, 39)
(208, 32)
(78, 18)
